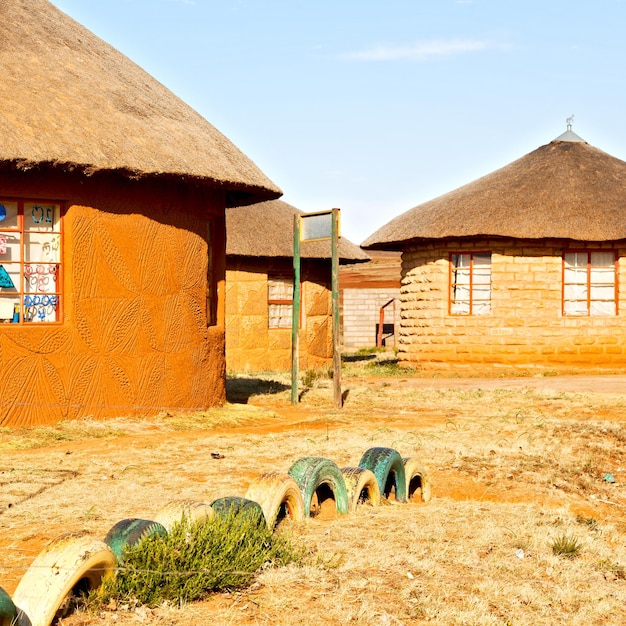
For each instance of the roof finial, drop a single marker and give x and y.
(569, 121)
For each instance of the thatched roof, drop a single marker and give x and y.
(69, 99)
(266, 230)
(565, 189)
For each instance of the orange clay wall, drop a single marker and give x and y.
(525, 326)
(134, 338)
(251, 346)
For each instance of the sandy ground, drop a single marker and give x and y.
(87, 482)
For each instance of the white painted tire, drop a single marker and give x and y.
(417, 480)
(279, 497)
(361, 486)
(66, 562)
(177, 510)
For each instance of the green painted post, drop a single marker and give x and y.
(295, 320)
(335, 310)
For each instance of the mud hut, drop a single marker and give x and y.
(259, 290)
(522, 267)
(112, 237)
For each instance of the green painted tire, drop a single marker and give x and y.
(417, 480)
(315, 477)
(235, 506)
(8, 612)
(388, 467)
(129, 532)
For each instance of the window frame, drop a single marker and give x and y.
(589, 285)
(26, 266)
(471, 300)
(285, 278)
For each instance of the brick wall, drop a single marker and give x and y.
(525, 326)
(360, 315)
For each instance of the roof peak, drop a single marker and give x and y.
(569, 134)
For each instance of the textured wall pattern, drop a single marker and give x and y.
(134, 340)
(251, 346)
(525, 325)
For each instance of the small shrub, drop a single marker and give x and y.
(193, 560)
(567, 546)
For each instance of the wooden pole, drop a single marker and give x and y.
(295, 319)
(335, 310)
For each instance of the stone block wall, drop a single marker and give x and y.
(525, 326)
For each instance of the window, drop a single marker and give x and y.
(470, 283)
(30, 262)
(589, 282)
(280, 301)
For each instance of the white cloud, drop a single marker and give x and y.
(419, 51)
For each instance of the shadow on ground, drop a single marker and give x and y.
(239, 390)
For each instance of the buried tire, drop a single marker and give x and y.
(70, 566)
(388, 467)
(320, 480)
(129, 532)
(178, 510)
(361, 487)
(417, 480)
(236, 506)
(279, 497)
(8, 612)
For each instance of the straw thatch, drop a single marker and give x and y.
(565, 189)
(69, 99)
(266, 230)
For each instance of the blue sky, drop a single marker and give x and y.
(375, 106)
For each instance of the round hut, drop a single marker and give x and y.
(521, 267)
(259, 290)
(112, 230)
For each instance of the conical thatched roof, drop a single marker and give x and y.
(68, 98)
(266, 230)
(565, 189)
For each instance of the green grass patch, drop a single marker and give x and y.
(566, 546)
(194, 560)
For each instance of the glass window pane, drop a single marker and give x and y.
(280, 315)
(575, 308)
(41, 308)
(461, 260)
(8, 215)
(9, 308)
(41, 217)
(603, 259)
(280, 289)
(9, 247)
(460, 308)
(575, 259)
(572, 276)
(41, 247)
(40, 278)
(603, 292)
(603, 308)
(9, 277)
(604, 275)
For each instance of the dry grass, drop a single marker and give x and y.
(512, 469)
